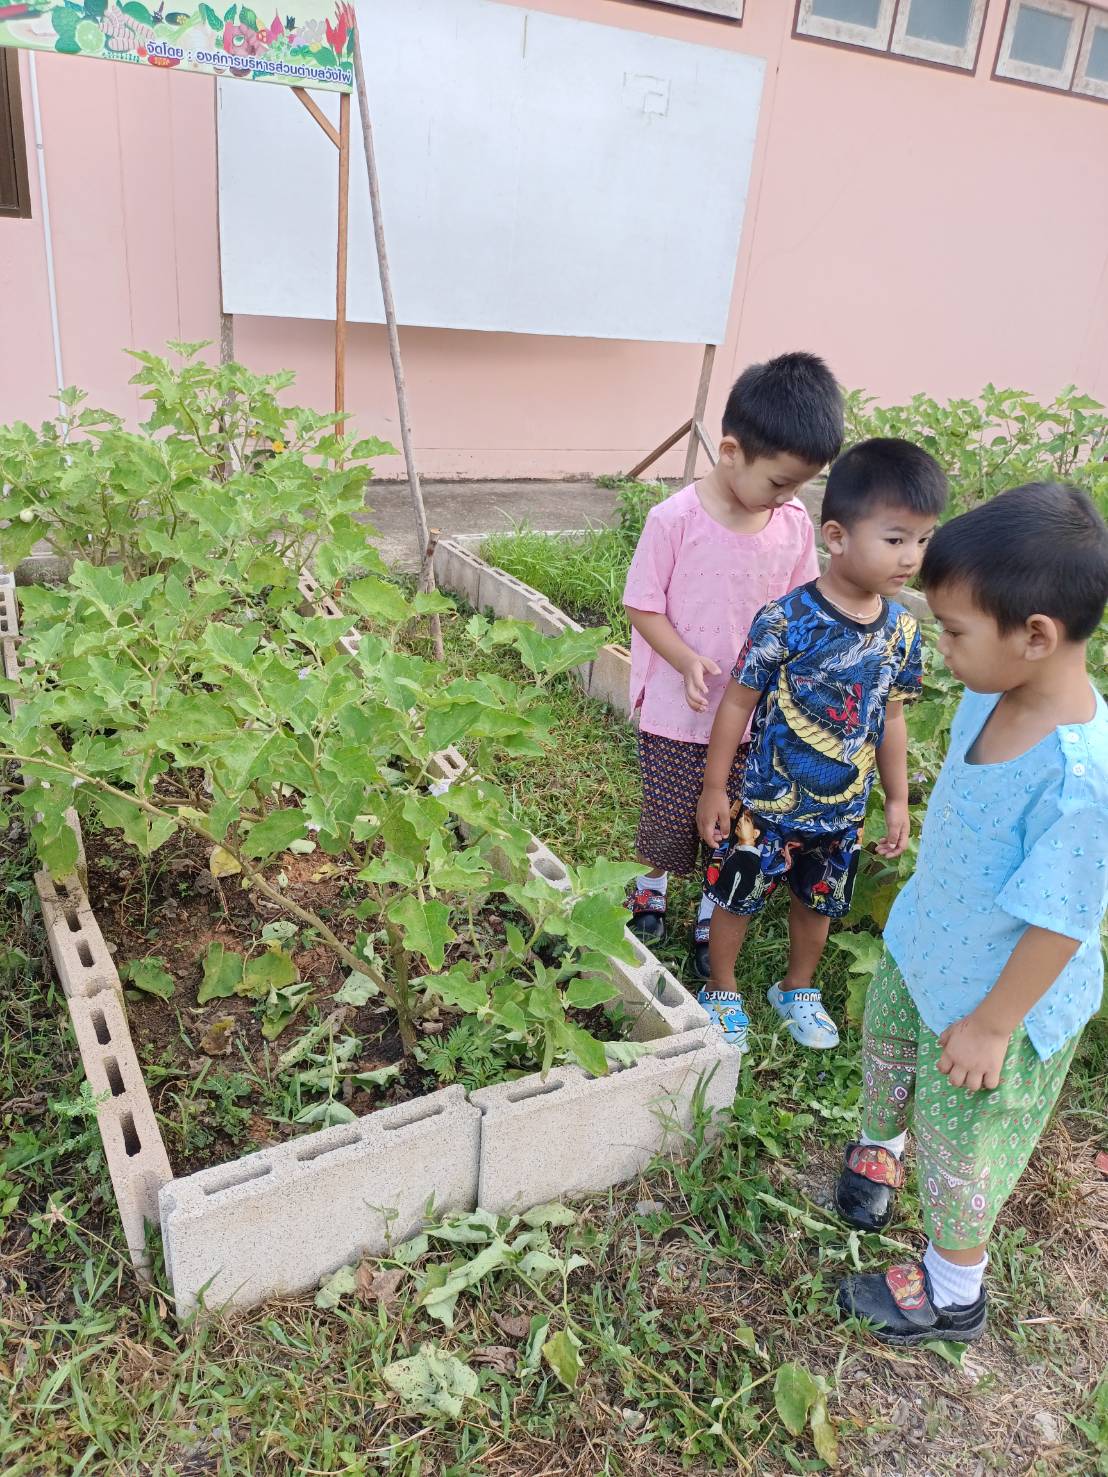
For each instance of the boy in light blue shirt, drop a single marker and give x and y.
(993, 961)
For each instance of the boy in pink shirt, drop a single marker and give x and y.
(709, 558)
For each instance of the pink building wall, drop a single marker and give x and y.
(923, 229)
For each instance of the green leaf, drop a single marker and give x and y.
(210, 19)
(325, 1115)
(794, 1393)
(149, 975)
(339, 1285)
(432, 1383)
(586, 1049)
(425, 926)
(457, 988)
(377, 1078)
(222, 974)
(560, 1352)
(596, 923)
(377, 600)
(269, 971)
(824, 1436)
(551, 1214)
(274, 833)
(357, 989)
(282, 1006)
(953, 1353)
(145, 833)
(584, 994)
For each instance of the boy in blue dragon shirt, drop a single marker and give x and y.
(825, 673)
(993, 958)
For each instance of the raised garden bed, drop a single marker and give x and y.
(277, 1219)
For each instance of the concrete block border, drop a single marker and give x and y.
(460, 571)
(275, 1221)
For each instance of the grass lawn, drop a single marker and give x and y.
(698, 1283)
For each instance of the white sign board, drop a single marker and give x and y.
(539, 175)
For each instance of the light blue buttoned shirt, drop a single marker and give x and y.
(1004, 846)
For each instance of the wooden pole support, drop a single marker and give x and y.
(658, 451)
(318, 114)
(341, 259)
(426, 570)
(698, 411)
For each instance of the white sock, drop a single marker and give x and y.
(894, 1146)
(653, 884)
(707, 908)
(951, 1284)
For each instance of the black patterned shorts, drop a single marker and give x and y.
(672, 778)
(819, 867)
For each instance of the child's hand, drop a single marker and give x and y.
(973, 1054)
(696, 672)
(713, 817)
(898, 825)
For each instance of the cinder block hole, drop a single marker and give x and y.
(70, 914)
(547, 867)
(131, 1141)
(84, 954)
(417, 1114)
(676, 1048)
(115, 1076)
(100, 1026)
(527, 1090)
(669, 992)
(238, 1174)
(313, 1149)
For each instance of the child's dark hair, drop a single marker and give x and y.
(792, 403)
(1041, 549)
(883, 473)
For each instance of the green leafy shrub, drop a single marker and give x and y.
(183, 686)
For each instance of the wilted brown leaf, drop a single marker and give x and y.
(216, 1040)
(515, 1325)
(375, 1286)
(496, 1356)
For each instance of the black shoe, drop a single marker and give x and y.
(648, 915)
(866, 1192)
(699, 943)
(898, 1303)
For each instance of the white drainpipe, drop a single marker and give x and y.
(47, 234)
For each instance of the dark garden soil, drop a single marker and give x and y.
(220, 1089)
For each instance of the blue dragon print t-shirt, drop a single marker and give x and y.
(825, 681)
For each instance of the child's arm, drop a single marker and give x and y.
(974, 1047)
(892, 766)
(657, 631)
(713, 809)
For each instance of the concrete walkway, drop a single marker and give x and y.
(481, 507)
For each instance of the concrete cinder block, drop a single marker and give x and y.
(77, 946)
(11, 658)
(458, 570)
(275, 1222)
(509, 599)
(573, 1134)
(655, 1001)
(133, 1148)
(610, 680)
(9, 612)
(546, 865)
(446, 768)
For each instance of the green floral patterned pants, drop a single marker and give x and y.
(971, 1147)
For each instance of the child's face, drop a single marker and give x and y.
(974, 648)
(882, 552)
(767, 481)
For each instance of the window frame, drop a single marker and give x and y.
(1083, 85)
(898, 44)
(11, 123)
(846, 33)
(916, 48)
(1028, 73)
(716, 10)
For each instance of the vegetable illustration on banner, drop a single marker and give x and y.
(312, 48)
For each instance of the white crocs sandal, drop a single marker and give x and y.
(803, 1013)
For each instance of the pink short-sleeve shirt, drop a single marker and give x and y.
(711, 583)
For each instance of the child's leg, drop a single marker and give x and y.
(728, 930)
(872, 1172)
(821, 872)
(672, 773)
(971, 1150)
